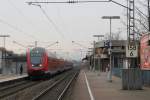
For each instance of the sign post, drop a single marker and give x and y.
(132, 51)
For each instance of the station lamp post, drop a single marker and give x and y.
(110, 44)
(98, 36)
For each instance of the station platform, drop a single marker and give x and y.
(9, 77)
(92, 85)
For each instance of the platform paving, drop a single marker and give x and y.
(79, 89)
(9, 77)
(103, 90)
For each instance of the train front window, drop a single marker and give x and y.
(36, 58)
(36, 55)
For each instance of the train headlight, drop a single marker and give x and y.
(32, 65)
(40, 65)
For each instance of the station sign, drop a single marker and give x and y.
(131, 50)
(107, 44)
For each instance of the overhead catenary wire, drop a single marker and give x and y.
(63, 24)
(143, 15)
(51, 21)
(72, 1)
(79, 44)
(37, 3)
(22, 14)
(143, 24)
(19, 44)
(17, 29)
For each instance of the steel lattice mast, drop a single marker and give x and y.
(131, 21)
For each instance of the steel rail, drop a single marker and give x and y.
(12, 85)
(9, 91)
(41, 94)
(48, 89)
(66, 88)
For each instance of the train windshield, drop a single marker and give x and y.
(36, 56)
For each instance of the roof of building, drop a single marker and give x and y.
(114, 43)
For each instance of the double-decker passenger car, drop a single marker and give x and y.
(39, 63)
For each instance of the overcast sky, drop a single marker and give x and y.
(73, 22)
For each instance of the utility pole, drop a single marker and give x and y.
(4, 51)
(131, 22)
(132, 43)
(94, 56)
(4, 37)
(35, 43)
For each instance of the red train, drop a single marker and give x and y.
(39, 63)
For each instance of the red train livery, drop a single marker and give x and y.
(40, 64)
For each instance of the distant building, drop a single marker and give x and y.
(4, 62)
(10, 62)
(101, 54)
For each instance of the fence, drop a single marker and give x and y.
(132, 79)
(146, 77)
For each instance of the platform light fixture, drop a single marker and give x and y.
(110, 39)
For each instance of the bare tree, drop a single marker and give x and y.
(141, 17)
(114, 36)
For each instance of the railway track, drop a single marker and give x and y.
(33, 90)
(12, 85)
(57, 90)
(13, 89)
